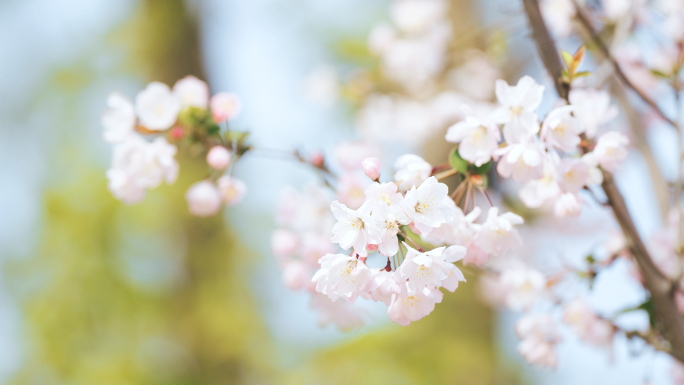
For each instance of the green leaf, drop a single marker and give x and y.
(482, 170)
(213, 129)
(582, 74)
(458, 163)
(660, 74)
(590, 259)
(567, 58)
(646, 306)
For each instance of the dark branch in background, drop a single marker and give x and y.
(586, 23)
(670, 322)
(546, 47)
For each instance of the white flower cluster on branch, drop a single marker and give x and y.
(182, 116)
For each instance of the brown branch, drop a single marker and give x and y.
(586, 23)
(546, 46)
(671, 322)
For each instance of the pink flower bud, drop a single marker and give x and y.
(284, 243)
(317, 159)
(218, 158)
(225, 106)
(296, 275)
(371, 248)
(177, 133)
(413, 228)
(203, 199)
(372, 167)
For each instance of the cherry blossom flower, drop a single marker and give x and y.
(561, 130)
(611, 150)
(418, 268)
(385, 221)
(157, 107)
(475, 77)
(353, 227)
(296, 275)
(314, 244)
(148, 164)
(518, 108)
(538, 336)
(592, 109)
(119, 118)
(308, 210)
(572, 174)
(538, 191)
(123, 186)
(350, 190)
(341, 276)
(350, 155)
(497, 235)
(343, 314)
(558, 15)
(616, 9)
(568, 205)
(218, 158)
(595, 177)
(232, 189)
(414, 61)
(382, 286)
(523, 161)
(451, 255)
(416, 16)
(192, 92)
(203, 199)
(225, 106)
(412, 170)
(431, 267)
(586, 324)
(524, 286)
(411, 305)
(458, 231)
(284, 243)
(426, 206)
(372, 167)
(380, 38)
(385, 193)
(478, 138)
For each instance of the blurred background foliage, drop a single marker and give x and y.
(147, 294)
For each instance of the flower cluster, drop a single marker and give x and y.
(552, 160)
(182, 116)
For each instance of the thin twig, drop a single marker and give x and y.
(584, 20)
(412, 241)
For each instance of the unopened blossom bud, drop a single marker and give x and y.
(203, 199)
(372, 167)
(177, 133)
(284, 243)
(296, 275)
(316, 159)
(218, 158)
(232, 189)
(371, 248)
(413, 228)
(225, 106)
